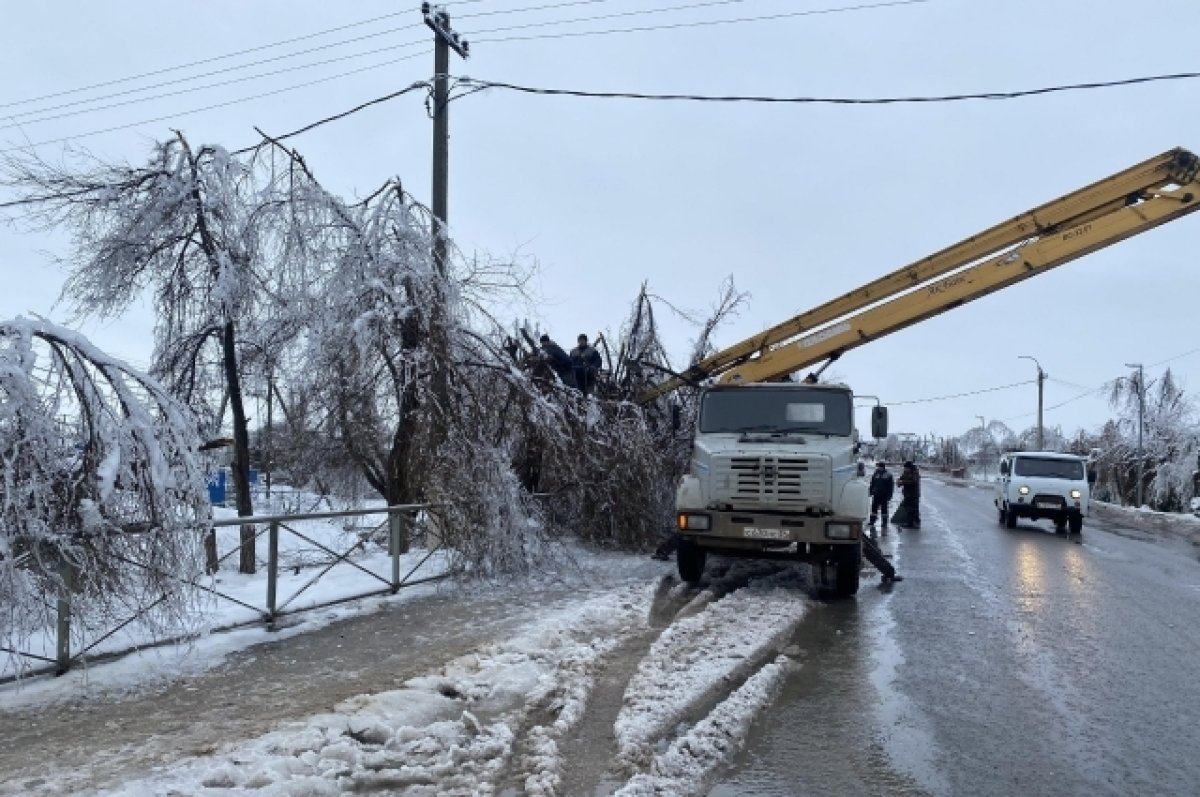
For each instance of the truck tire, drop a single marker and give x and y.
(1001, 511)
(691, 559)
(1076, 523)
(1060, 525)
(849, 566)
(1010, 519)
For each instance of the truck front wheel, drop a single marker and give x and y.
(1076, 524)
(691, 559)
(1010, 519)
(849, 565)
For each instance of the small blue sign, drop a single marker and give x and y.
(216, 488)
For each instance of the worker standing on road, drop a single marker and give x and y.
(882, 488)
(910, 490)
(586, 362)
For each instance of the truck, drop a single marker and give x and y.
(773, 470)
(775, 473)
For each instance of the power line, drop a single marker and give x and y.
(1106, 386)
(994, 95)
(209, 108)
(961, 395)
(619, 14)
(164, 95)
(203, 61)
(413, 87)
(705, 23)
(546, 7)
(248, 51)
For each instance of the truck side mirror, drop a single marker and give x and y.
(1092, 476)
(1004, 468)
(676, 417)
(879, 422)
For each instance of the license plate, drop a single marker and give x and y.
(766, 534)
(1047, 504)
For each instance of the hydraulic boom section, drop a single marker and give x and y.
(1125, 204)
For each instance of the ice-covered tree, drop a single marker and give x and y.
(1170, 441)
(102, 492)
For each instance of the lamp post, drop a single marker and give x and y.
(1141, 389)
(1041, 440)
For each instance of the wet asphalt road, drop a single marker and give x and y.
(1008, 662)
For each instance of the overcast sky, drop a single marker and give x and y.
(798, 203)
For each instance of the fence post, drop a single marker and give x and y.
(272, 569)
(66, 571)
(395, 536)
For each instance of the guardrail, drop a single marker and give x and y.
(272, 608)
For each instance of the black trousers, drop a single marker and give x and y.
(879, 506)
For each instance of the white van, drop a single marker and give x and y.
(1044, 484)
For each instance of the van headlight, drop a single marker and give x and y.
(691, 521)
(1076, 494)
(1023, 490)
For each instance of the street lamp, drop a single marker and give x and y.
(1141, 388)
(1041, 441)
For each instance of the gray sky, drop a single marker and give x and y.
(799, 203)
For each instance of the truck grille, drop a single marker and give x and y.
(781, 481)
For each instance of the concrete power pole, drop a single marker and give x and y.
(1041, 438)
(444, 40)
(1141, 388)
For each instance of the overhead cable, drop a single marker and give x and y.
(801, 100)
(961, 395)
(284, 90)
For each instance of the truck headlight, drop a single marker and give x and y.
(842, 531)
(1023, 490)
(1076, 494)
(691, 521)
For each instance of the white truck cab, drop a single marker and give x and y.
(1044, 484)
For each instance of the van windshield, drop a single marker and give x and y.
(1048, 468)
(789, 409)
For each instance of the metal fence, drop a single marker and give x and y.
(398, 519)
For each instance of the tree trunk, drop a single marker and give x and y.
(241, 449)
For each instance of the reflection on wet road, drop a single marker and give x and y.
(1008, 662)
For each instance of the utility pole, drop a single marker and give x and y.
(1141, 388)
(1041, 438)
(444, 40)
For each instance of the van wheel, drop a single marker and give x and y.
(1010, 519)
(1076, 522)
(1001, 511)
(1060, 526)
(691, 559)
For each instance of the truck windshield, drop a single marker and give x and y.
(753, 409)
(1048, 468)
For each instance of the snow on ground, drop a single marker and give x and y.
(1186, 527)
(696, 754)
(448, 733)
(696, 658)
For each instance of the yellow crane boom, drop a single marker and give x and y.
(1132, 201)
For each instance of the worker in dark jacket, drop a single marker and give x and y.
(910, 490)
(586, 362)
(882, 488)
(558, 360)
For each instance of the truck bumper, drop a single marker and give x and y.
(786, 535)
